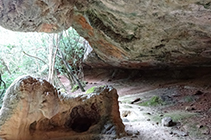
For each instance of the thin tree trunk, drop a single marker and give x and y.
(54, 59)
(4, 84)
(70, 71)
(5, 65)
(50, 57)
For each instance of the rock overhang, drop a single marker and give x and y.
(126, 34)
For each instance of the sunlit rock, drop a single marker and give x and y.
(34, 110)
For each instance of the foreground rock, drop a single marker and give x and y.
(33, 109)
(127, 34)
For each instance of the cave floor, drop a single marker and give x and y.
(184, 95)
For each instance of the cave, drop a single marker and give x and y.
(81, 121)
(146, 70)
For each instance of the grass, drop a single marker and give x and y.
(176, 116)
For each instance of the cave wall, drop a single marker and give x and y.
(127, 34)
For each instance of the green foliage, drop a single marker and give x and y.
(154, 101)
(74, 88)
(90, 90)
(72, 46)
(27, 54)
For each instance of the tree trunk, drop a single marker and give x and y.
(70, 71)
(50, 58)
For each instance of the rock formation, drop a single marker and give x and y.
(123, 33)
(34, 110)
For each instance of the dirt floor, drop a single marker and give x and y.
(148, 96)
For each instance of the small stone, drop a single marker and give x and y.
(199, 126)
(125, 113)
(149, 114)
(137, 132)
(189, 108)
(167, 121)
(134, 136)
(148, 119)
(136, 100)
(179, 133)
(198, 92)
(125, 120)
(183, 134)
(141, 109)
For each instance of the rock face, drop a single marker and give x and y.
(33, 109)
(123, 33)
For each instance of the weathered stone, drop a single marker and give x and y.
(167, 121)
(91, 59)
(36, 15)
(33, 109)
(128, 34)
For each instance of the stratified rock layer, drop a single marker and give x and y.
(124, 33)
(34, 110)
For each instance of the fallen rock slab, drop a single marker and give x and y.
(33, 109)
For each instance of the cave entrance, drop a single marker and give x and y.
(82, 118)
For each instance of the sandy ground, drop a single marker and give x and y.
(185, 92)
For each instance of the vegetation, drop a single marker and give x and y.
(43, 55)
(75, 87)
(90, 90)
(176, 116)
(154, 101)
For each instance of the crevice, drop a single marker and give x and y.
(160, 46)
(32, 127)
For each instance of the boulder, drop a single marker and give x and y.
(33, 109)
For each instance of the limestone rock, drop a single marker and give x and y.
(33, 109)
(36, 15)
(91, 59)
(167, 121)
(127, 34)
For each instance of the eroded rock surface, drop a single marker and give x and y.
(123, 33)
(33, 109)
